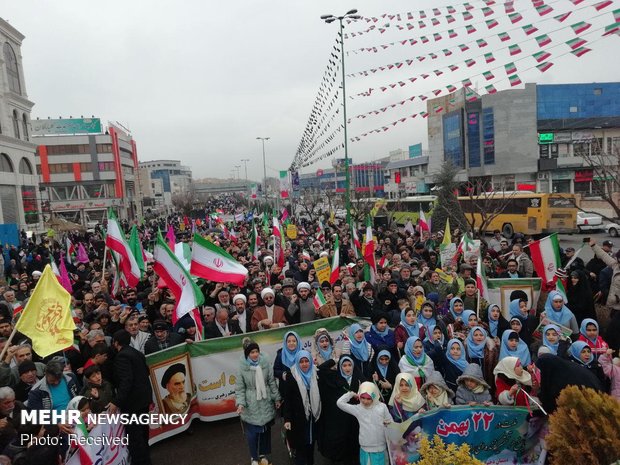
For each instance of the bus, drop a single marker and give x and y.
(525, 212)
(405, 209)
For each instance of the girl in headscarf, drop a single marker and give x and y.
(359, 349)
(323, 348)
(557, 312)
(495, 322)
(302, 408)
(384, 373)
(427, 316)
(453, 363)
(462, 327)
(580, 353)
(513, 346)
(482, 351)
(456, 311)
(552, 341)
(337, 435)
(436, 392)
(372, 416)
(518, 309)
(257, 399)
(511, 379)
(589, 333)
(379, 335)
(435, 343)
(405, 400)
(415, 360)
(407, 327)
(579, 296)
(285, 357)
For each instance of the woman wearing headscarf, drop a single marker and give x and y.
(415, 361)
(406, 400)
(482, 351)
(518, 309)
(557, 373)
(590, 334)
(428, 317)
(455, 311)
(453, 362)
(495, 323)
(579, 296)
(380, 335)
(257, 399)
(359, 349)
(557, 312)
(323, 348)
(337, 432)
(513, 346)
(580, 353)
(512, 382)
(285, 358)
(302, 408)
(384, 373)
(436, 392)
(407, 327)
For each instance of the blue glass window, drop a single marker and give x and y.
(473, 139)
(488, 136)
(452, 139)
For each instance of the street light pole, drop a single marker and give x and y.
(263, 139)
(245, 162)
(351, 14)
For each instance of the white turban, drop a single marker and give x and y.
(268, 257)
(303, 285)
(239, 297)
(266, 291)
(324, 254)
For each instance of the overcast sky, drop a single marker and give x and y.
(199, 80)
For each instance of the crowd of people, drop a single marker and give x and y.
(430, 340)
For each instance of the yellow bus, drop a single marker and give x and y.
(408, 208)
(525, 212)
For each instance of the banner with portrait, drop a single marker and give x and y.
(496, 435)
(503, 290)
(199, 379)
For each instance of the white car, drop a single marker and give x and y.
(613, 229)
(589, 221)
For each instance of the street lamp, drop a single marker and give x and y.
(263, 139)
(245, 162)
(351, 14)
(238, 167)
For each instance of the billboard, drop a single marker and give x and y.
(415, 150)
(47, 127)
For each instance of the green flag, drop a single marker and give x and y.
(136, 249)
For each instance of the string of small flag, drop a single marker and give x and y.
(471, 95)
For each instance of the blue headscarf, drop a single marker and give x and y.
(493, 324)
(475, 350)
(584, 326)
(433, 297)
(522, 352)
(427, 322)
(514, 309)
(409, 351)
(553, 347)
(383, 368)
(343, 359)
(452, 301)
(575, 351)
(358, 349)
(412, 330)
(306, 376)
(466, 314)
(383, 333)
(562, 317)
(288, 357)
(326, 354)
(429, 335)
(461, 363)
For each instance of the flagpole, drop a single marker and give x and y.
(105, 255)
(8, 342)
(478, 306)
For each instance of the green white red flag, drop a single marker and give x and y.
(369, 253)
(319, 299)
(335, 263)
(545, 255)
(422, 223)
(357, 246)
(254, 242)
(115, 241)
(136, 249)
(167, 265)
(278, 243)
(215, 264)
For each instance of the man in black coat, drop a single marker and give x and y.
(222, 325)
(133, 394)
(163, 338)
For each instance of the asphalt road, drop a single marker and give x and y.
(223, 442)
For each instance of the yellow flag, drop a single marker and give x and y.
(447, 237)
(47, 317)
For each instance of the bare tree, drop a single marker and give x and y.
(184, 201)
(447, 205)
(309, 203)
(484, 205)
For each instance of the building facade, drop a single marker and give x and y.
(406, 171)
(367, 179)
(85, 170)
(542, 137)
(161, 180)
(19, 183)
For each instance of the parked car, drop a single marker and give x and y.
(613, 229)
(589, 221)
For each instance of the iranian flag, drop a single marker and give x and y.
(278, 243)
(544, 66)
(543, 40)
(71, 251)
(17, 309)
(581, 51)
(422, 223)
(115, 241)
(545, 255)
(580, 27)
(254, 242)
(357, 246)
(335, 262)
(320, 236)
(575, 43)
(136, 249)
(514, 80)
(481, 279)
(87, 455)
(319, 299)
(168, 266)
(541, 56)
(369, 252)
(215, 264)
(510, 68)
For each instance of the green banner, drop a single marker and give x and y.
(211, 369)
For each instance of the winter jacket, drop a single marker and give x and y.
(329, 309)
(105, 394)
(464, 396)
(371, 421)
(256, 412)
(612, 372)
(613, 297)
(39, 397)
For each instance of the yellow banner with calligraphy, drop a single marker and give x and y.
(291, 231)
(323, 269)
